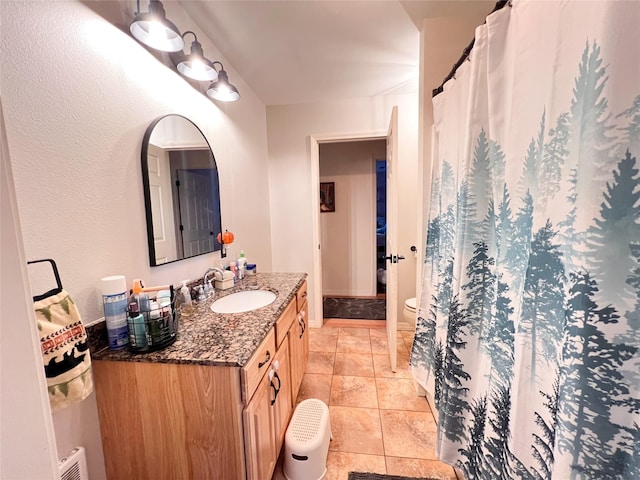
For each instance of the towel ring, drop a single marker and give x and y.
(53, 291)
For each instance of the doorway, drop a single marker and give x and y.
(353, 230)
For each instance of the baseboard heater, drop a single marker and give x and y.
(73, 466)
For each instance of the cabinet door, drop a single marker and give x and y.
(259, 438)
(281, 391)
(299, 350)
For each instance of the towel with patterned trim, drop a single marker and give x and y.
(65, 350)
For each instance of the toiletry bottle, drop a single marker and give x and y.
(234, 269)
(185, 297)
(208, 289)
(114, 301)
(137, 327)
(155, 324)
(200, 296)
(144, 304)
(135, 291)
(164, 303)
(242, 265)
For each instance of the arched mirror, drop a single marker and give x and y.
(181, 191)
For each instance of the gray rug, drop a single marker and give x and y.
(380, 476)
(354, 308)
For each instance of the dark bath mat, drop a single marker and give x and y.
(379, 476)
(354, 308)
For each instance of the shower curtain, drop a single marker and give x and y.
(528, 331)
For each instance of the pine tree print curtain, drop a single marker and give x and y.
(528, 333)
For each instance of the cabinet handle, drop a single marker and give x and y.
(266, 360)
(304, 294)
(303, 325)
(276, 390)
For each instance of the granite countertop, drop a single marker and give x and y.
(208, 338)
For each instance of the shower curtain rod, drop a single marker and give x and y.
(466, 52)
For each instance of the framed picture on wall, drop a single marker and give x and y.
(327, 197)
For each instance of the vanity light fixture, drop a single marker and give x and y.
(221, 89)
(154, 30)
(195, 65)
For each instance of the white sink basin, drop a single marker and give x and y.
(244, 301)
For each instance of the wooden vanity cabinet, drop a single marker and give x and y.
(266, 418)
(175, 421)
(170, 421)
(299, 341)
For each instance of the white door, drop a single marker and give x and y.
(164, 238)
(392, 239)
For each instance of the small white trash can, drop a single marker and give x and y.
(306, 442)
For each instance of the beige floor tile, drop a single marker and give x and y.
(355, 364)
(353, 344)
(414, 467)
(320, 362)
(400, 394)
(339, 464)
(350, 391)
(356, 430)
(323, 343)
(407, 335)
(379, 345)
(378, 332)
(323, 331)
(371, 416)
(354, 332)
(382, 367)
(402, 345)
(408, 434)
(315, 386)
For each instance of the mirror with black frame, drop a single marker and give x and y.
(181, 191)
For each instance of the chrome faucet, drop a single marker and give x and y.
(210, 270)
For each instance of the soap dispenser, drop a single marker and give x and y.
(208, 289)
(201, 297)
(185, 296)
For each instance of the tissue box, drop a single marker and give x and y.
(224, 284)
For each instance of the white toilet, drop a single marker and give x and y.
(409, 312)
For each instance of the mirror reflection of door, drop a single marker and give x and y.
(195, 190)
(160, 188)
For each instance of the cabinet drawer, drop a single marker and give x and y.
(301, 295)
(284, 322)
(257, 366)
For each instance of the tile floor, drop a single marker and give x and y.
(378, 421)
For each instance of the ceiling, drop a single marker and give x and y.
(305, 51)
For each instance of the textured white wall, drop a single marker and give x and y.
(348, 234)
(79, 94)
(25, 416)
(292, 200)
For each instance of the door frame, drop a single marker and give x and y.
(314, 149)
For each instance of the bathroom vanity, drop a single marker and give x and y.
(216, 403)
